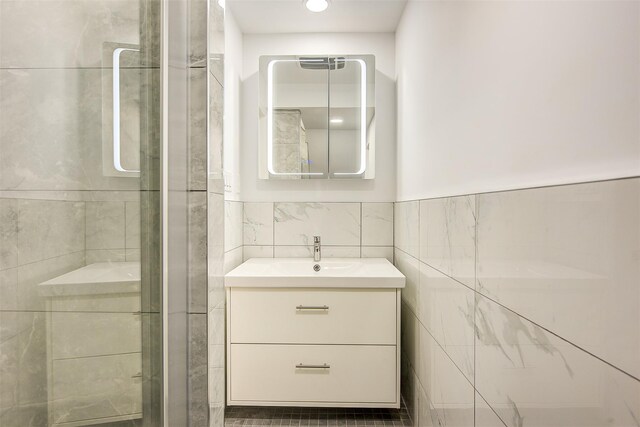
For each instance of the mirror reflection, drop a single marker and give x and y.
(317, 117)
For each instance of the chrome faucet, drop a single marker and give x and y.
(317, 254)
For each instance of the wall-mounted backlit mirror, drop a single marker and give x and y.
(317, 117)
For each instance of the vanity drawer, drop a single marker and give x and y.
(90, 388)
(354, 374)
(102, 334)
(312, 316)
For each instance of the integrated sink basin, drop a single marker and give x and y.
(331, 273)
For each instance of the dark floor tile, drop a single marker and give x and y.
(315, 417)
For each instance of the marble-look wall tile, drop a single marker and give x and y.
(8, 289)
(62, 105)
(562, 257)
(150, 251)
(8, 233)
(198, 369)
(410, 267)
(286, 126)
(449, 391)
(377, 224)
(485, 416)
(32, 368)
(567, 258)
(291, 227)
(409, 388)
(132, 225)
(217, 36)
(215, 135)
(377, 252)
(105, 255)
(406, 227)
(532, 377)
(217, 328)
(216, 67)
(198, 252)
(22, 347)
(215, 248)
(447, 236)
(336, 223)
(446, 310)
(216, 414)
(64, 34)
(232, 259)
(31, 275)
(198, 36)
(217, 357)
(10, 357)
(257, 252)
(105, 225)
(233, 225)
(47, 229)
(426, 415)
(258, 224)
(216, 117)
(25, 415)
(217, 385)
(131, 255)
(307, 251)
(197, 153)
(410, 339)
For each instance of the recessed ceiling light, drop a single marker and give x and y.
(317, 5)
(337, 120)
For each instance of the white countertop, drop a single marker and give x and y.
(299, 273)
(98, 278)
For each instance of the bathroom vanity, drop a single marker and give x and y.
(94, 345)
(300, 337)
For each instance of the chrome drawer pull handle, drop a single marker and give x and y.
(312, 307)
(303, 366)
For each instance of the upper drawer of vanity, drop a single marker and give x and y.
(313, 316)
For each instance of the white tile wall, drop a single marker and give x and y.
(350, 230)
(447, 236)
(258, 224)
(547, 331)
(406, 227)
(377, 224)
(338, 224)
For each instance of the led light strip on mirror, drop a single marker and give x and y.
(270, 167)
(363, 118)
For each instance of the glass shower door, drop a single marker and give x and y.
(80, 213)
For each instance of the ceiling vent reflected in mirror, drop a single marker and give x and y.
(321, 63)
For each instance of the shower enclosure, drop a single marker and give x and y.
(95, 325)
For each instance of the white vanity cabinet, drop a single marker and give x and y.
(94, 348)
(329, 345)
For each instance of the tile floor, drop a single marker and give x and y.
(262, 416)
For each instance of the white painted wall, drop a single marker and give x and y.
(513, 94)
(232, 93)
(382, 188)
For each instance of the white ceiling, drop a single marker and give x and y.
(291, 16)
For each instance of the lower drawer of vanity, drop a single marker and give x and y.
(313, 373)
